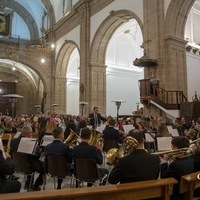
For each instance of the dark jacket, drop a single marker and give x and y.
(110, 133)
(58, 148)
(137, 166)
(6, 168)
(176, 169)
(86, 151)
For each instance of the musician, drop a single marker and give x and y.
(95, 118)
(58, 148)
(137, 166)
(178, 167)
(7, 168)
(110, 133)
(86, 151)
(35, 162)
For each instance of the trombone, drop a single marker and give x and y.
(177, 153)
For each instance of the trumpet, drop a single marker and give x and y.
(177, 153)
(128, 146)
(73, 137)
(196, 143)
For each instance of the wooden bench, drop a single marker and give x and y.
(162, 188)
(188, 184)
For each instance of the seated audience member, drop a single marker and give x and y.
(7, 168)
(110, 133)
(137, 166)
(179, 166)
(86, 151)
(35, 162)
(58, 148)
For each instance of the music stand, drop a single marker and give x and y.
(118, 104)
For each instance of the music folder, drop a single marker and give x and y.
(173, 131)
(27, 145)
(47, 139)
(100, 128)
(128, 127)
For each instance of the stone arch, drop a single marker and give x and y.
(63, 57)
(60, 74)
(105, 31)
(25, 15)
(50, 11)
(98, 54)
(176, 17)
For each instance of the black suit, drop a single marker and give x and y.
(86, 151)
(110, 133)
(137, 166)
(7, 168)
(58, 148)
(95, 119)
(176, 169)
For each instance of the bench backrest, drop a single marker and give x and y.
(162, 188)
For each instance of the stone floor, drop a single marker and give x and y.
(50, 181)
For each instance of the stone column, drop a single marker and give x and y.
(60, 94)
(85, 54)
(98, 87)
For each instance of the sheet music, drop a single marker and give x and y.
(128, 127)
(149, 138)
(27, 145)
(17, 134)
(100, 128)
(173, 131)
(90, 127)
(47, 139)
(2, 148)
(164, 143)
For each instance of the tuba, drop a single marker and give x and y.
(96, 139)
(128, 146)
(73, 137)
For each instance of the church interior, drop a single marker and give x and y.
(130, 59)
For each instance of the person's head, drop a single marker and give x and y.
(27, 131)
(180, 142)
(183, 120)
(111, 122)
(51, 126)
(138, 135)
(95, 109)
(197, 126)
(85, 133)
(58, 133)
(178, 122)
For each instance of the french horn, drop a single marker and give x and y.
(128, 146)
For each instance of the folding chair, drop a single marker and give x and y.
(23, 166)
(56, 167)
(86, 170)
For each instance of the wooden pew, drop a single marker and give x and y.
(162, 188)
(188, 184)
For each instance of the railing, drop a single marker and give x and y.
(168, 97)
